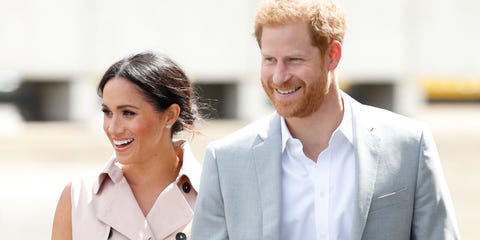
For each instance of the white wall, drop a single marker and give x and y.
(397, 40)
(210, 37)
(79, 39)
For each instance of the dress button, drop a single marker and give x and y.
(180, 236)
(186, 188)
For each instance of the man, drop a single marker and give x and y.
(323, 166)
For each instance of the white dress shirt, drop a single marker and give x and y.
(317, 197)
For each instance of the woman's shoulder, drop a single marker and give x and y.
(62, 222)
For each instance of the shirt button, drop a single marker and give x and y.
(186, 188)
(180, 236)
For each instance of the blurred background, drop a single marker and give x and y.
(418, 58)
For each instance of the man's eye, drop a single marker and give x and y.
(268, 59)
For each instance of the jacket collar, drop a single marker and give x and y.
(367, 155)
(267, 152)
(267, 157)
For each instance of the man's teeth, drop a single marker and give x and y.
(122, 142)
(287, 91)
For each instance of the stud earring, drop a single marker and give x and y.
(168, 126)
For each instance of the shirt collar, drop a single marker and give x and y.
(286, 135)
(191, 168)
(345, 127)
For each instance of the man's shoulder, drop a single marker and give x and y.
(388, 121)
(389, 117)
(385, 113)
(245, 136)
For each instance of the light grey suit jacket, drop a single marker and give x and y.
(400, 189)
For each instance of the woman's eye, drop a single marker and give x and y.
(128, 113)
(106, 112)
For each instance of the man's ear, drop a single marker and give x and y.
(334, 54)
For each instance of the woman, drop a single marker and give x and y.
(148, 189)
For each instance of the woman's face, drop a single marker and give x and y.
(133, 126)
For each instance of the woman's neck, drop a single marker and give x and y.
(158, 168)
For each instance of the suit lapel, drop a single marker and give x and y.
(367, 157)
(267, 154)
(267, 157)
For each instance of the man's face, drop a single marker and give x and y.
(293, 73)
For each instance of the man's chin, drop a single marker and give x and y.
(286, 112)
(295, 112)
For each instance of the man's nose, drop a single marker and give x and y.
(280, 73)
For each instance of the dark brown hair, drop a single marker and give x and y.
(161, 81)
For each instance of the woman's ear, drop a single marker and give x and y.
(171, 114)
(334, 54)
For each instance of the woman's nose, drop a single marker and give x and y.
(113, 125)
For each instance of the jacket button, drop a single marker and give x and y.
(180, 236)
(186, 188)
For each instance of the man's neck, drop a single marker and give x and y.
(316, 129)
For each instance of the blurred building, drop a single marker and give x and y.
(396, 53)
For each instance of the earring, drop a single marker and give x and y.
(168, 126)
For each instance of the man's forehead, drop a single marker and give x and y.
(291, 37)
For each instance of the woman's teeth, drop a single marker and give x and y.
(122, 142)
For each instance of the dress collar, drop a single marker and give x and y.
(191, 169)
